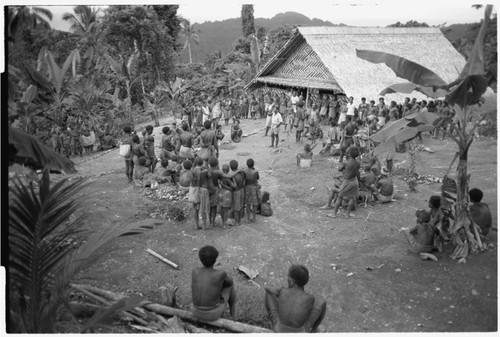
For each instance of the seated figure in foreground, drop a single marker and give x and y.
(291, 309)
(212, 289)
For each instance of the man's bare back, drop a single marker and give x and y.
(207, 285)
(187, 139)
(295, 307)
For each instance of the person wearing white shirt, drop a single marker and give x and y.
(295, 99)
(276, 121)
(350, 107)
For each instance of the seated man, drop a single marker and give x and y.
(212, 289)
(292, 309)
(384, 188)
(480, 211)
(421, 237)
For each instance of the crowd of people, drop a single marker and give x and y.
(189, 155)
(189, 159)
(76, 138)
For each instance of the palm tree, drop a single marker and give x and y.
(48, 248)
(189, 32)
(22, 17)
(82, 19)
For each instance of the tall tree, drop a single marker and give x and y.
(22, 17)
(82, 19)
(247, 20)
(190, 32)
(127, 28)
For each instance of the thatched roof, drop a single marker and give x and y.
(325, 58)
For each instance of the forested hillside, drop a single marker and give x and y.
(221, 35)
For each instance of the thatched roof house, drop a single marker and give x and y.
(324, 58)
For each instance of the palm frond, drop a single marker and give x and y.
(39, 229)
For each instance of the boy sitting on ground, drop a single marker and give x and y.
(161, 175)
(141, 173)
(480, 211)
(384, 187)
(421, 237)
(291, 309)
(304, 159)
(265, 205)
(212, 289)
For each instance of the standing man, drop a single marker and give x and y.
(186, 138)
(208, 143)
(276, 121)
(363, 109)
(351, 107)
(295, 99)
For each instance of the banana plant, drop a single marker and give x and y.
(55, 76)
(26, 106)
(462, 93)
(126, 71)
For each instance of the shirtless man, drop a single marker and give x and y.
(214, 176)
(350, 182)
(212, 289)
(480, 211)
(208, 142)
(238, 192)
(167, 148)
(149, 146)
(186, 139)
(251, 185)
(194, 190)
(226, 195)
(292, 309)
(204, 196)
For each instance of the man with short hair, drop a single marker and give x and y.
(276, 121)
(238, 199)
(186, 139)
(291, 309)
(363, 109)
(209, 146)
(212, 289)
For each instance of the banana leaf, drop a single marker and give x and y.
(408, 88)
(26, 150)
(403, 68)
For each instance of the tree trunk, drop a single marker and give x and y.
(189, 51)
(462, 205)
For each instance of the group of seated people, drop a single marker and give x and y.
(291, 308)
(432, 228)
(374, 182)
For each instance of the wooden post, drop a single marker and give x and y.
(158, 256)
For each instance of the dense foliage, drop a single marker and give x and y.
(247, 20)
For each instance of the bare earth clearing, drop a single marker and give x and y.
(376, 286)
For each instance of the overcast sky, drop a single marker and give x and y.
(354, 13)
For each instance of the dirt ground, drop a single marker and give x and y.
(360, 266)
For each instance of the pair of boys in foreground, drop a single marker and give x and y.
(290, 309)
